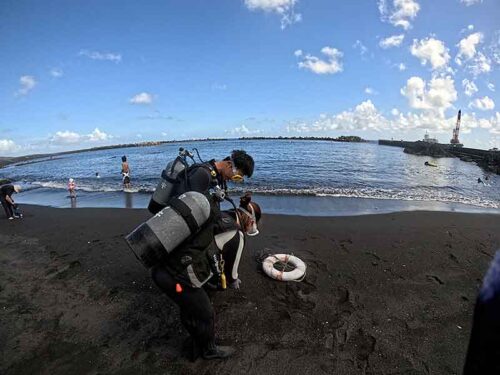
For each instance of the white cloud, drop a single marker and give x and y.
(362, 48)
(242, 130)
(284, 8)
(298, 53)
(142, 98)
(471, 2)
(219, 87)
(467, 47)
(56, 73)
(7, 145)
(106, 56)
(331, 65)
(401, 67)
(435, 96)
(431, 50)
(398, 12)
(28, 83)
(491, 86)
(483, 104)
(470, 87)
(370, 91)
(392, 41)
(366, 116)
(480, 64)
(98, 135)
(68, 137)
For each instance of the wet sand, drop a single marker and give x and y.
(384, 294)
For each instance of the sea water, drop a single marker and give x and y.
(290, 177)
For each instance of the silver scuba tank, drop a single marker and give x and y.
(163, 191)
(159, 236)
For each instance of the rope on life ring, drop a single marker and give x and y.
(297, 274)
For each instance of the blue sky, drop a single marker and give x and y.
(88, 73)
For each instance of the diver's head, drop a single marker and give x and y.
(236, 166)
(250, 214)
(71, 180)
(17, 188)
(124, 158)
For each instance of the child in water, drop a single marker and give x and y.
(72, 188)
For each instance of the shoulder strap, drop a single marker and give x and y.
(183, 209)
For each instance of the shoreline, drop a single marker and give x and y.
(303, 205)
(383, 293)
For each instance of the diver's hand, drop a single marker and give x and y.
(235, 284)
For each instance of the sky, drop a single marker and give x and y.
(90, 73)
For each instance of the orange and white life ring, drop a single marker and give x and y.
(297, 273)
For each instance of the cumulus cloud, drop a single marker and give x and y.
(435, 96)
(398, 12)
(98, 135)
(370, 91)
(483, 104)
(471, 2)
(480, 64)
(68, 137)
(392, 41)
(467, 47)
(27, 83)
(284, 8)
(431, 50)
(470, 87)
(330, 65)
(7, 145)
(142, 98)
(401, 67)
(56, 73)
(365, 116)
(105, 56)
(243, 130)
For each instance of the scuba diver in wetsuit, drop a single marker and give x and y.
(184, 272)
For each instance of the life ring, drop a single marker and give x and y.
(295, 274)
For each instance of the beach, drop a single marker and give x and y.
(384, 294)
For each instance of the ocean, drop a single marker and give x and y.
(291, 177)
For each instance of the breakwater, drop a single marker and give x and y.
(488, 160)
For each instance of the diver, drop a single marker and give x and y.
(194, 256)
(9, 206)
(230, 238)
(72, 188)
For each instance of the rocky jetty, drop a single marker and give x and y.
(428, 149)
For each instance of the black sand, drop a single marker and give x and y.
(384, 294)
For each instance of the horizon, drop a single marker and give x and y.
(85, 75)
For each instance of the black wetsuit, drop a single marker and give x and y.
(7, 191)
(197, 313)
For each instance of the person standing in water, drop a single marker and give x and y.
(72, 188)
(125, 172)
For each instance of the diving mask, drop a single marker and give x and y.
(253, 231)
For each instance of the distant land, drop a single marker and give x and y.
(27, 158)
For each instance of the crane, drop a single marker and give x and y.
(454, 140)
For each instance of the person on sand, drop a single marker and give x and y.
(197, 314)
(230, 238)
(125, 173)
(484, 342)
(179, 276)
(72, 188)
(9, 206)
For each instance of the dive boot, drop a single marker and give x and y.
(218, 352)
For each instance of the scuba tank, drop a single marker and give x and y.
(169, 177)
(155, 239)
